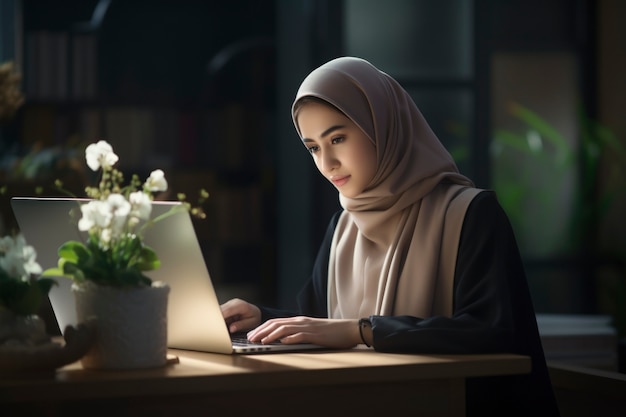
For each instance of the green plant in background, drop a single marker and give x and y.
(548, 151)
(535, 170)
(540, 165)
(40, 162)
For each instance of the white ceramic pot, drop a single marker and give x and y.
(130, 325)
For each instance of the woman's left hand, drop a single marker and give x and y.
(334, 333)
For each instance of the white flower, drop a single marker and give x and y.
(29, 257)
(120, 209)
(95, 214)
(100, 154)
(17, 258)
(141, 205)
(107, 217)
(157, 181)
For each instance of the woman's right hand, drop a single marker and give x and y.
(240, 316)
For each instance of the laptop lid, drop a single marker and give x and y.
(195, 320)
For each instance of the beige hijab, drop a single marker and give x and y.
(386, 251)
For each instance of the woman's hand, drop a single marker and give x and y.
(240, 315)
(335, 333)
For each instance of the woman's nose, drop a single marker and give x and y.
(329, 162)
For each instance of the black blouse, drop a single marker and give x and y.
(492, 313)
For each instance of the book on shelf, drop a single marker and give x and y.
(84, 74)
(60, 66)
(46, 69)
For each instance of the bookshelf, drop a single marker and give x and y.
(185, 86)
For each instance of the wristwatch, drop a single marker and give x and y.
(365, 328)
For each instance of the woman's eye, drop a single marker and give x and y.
(338, 139)
(312, 149)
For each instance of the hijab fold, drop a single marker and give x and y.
(386, 251)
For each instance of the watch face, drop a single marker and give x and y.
(364, 324)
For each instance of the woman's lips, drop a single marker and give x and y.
(340, 180)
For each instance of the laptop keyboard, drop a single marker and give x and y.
(242, 340)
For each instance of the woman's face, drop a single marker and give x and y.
(341, 150)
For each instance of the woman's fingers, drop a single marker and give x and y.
(240, 315)
(325, 332)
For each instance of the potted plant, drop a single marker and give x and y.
(127, 310)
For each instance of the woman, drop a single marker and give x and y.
(417, 260)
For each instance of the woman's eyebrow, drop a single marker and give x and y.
(325, 133)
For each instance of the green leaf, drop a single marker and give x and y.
(148, 259)
(74, 251)
(73, 270)
(53, 272)
(542, 126)
(513, 140)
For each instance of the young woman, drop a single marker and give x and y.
(417, 260)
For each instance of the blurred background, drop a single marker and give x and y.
(528, 96)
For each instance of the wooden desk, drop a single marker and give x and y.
(358, 382)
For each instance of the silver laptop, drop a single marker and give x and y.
(195, 321)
